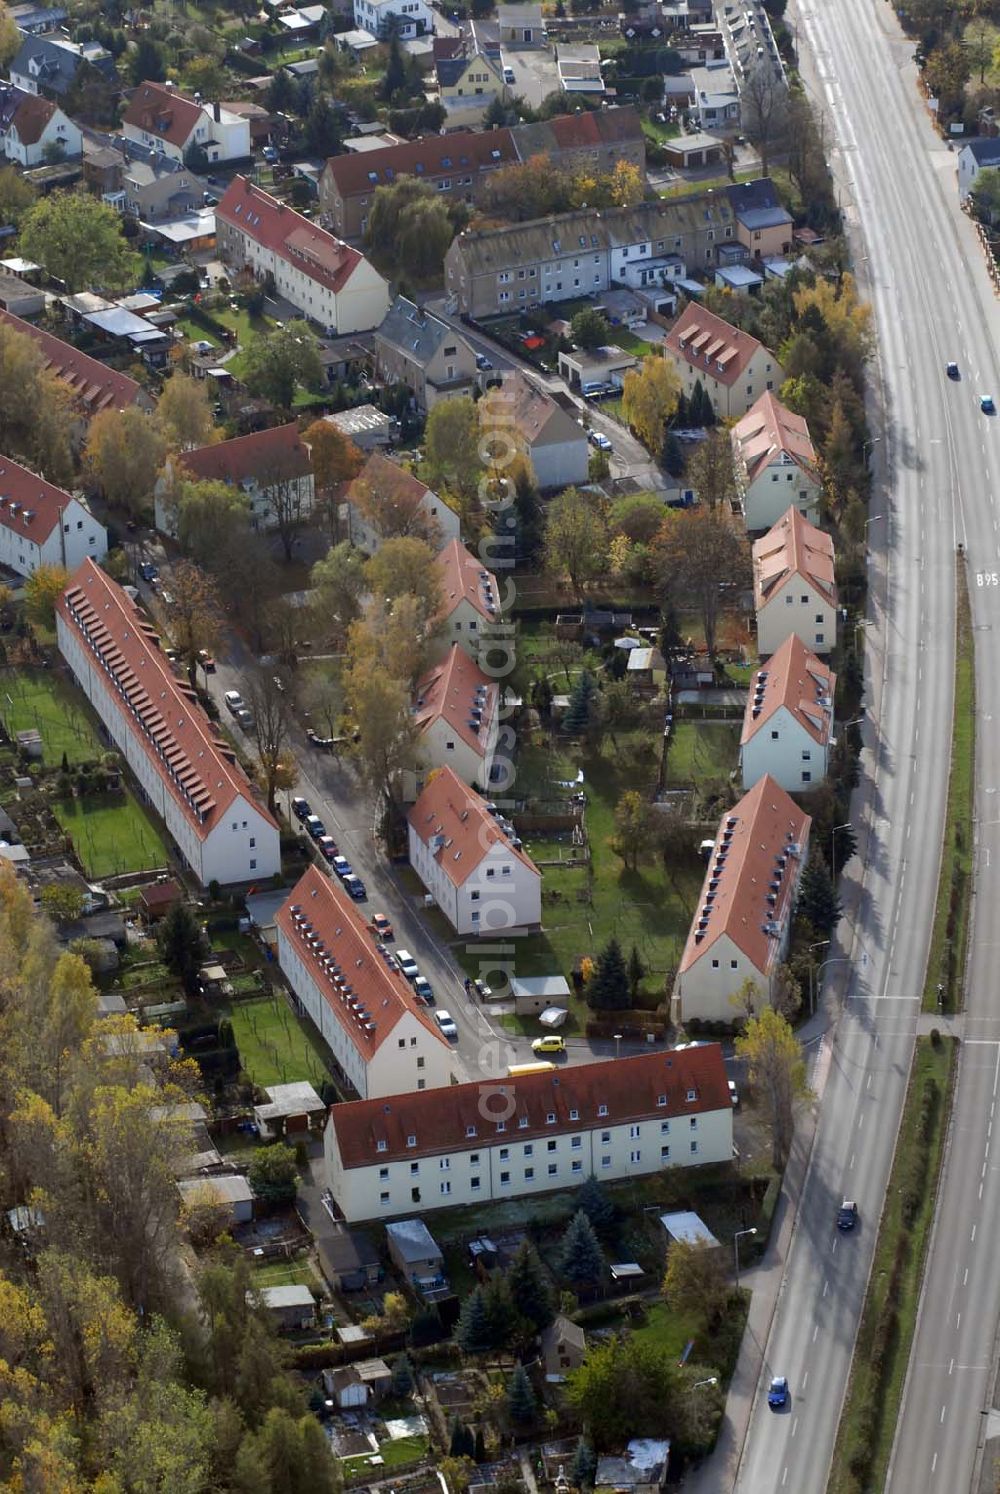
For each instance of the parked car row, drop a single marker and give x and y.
(328, 849)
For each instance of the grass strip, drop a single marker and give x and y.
(946, 960)
(882, 1351)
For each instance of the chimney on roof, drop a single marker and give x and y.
(168, 84)
(217, 112)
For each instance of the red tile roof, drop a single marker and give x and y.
(595, 127)
(706, 343)
(262, 454)
(767, 431)
(196, 766)
(359, 173)
(464, 578)
(750, 865)
(270, 223)
(367, 996)
(448, 809)
(31, 116)
(162, 111)
(453, 691)
(460, 1117)
(795, 679)
(398, 489)
(794, 547)
(93, 386)
(24, 493)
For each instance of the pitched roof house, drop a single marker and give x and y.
(31, 126)
(456, 164)
(794, 585)
(594, 139)
(472, 1144)
(976, 156)
(272, 467)
(788, 723)
(471, 863)
(187, 772)
(93, 386)
(323, 278)
(164, 120)
(50, 63)
(468, 82)
(775, 464)
(763, 223)
(381, 1038)
(456, 706)
(553, 442)
(416, 348)
(471, 601)
(734, 369)
(741, 927)
(41, 524)
(386, 499)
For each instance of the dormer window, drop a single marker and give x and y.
(574, 1115)
(602, 1109)
(550, 1119)
(381, 1146)
(522, 1122)
(411, 1141)
(501, 1125)
(470, 1130)
(661, 1099)
(692, 1095)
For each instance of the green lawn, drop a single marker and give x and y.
(275, 1048)
(702, 751)
(394, 1454)
(672, 1331)
(50, 704)
(284, 1273)
(110, 838)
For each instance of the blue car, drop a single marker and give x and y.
(148, 572)
(986, 404)
(314, 825)
(355, 888)
(342, 867)
(777, 1393)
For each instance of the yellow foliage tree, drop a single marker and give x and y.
(649, 397)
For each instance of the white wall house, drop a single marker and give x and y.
(382, 1040)
(795, 589)
(33, 127)
(471, 603)
(513, 1138)
(976, 156)
(775, 464)
(410, 17)
(325, 279)
(457, 708)
(470, 861)
(741, 927)
(788, 724)
(273, 468)
(188, 774)
(169, 123)
(42, 525)
(386, 499)
(553, 442)
(733, 368)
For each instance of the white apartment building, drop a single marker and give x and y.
(42, 525)
(186, 771)
(381, 1038)
(512, 1138)
(327, 281)
(788, 723)
(169, 123)
(471, 602)
(386, 499)
(794, 586)
(31, 126)
(741, 928)
(775, 464)
(457, 709)
(272, 468)
(409, 17)
(470, 860)
(733, 368)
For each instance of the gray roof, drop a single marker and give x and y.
(492, 249)
(986, 150)
(59, 59)
(346, 1250)
(413, 1240)
(229, 1188)
(415, 332)
(287, 1296)
(767, 217)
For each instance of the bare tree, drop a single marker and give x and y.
(195, 616)
(271, 703)
(764, 109)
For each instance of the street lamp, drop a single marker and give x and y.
(836, 960)
(869, 446)
(737, 1237)
(820, 944)
(712, 1380)
(833, 848)
(872, 519)
(618, 1044)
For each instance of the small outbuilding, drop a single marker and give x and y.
(413, 1250)
(289, 1307)
(233, 1193)
(564, 1347)
(291, 1110)
(688, 1228)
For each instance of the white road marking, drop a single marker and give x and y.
(784, 1478)
(972, 1237)
(958, 1322)
(815, 1332)
(795, 1426)
(965, 1278)
(942, 1415)
(805, 1379)
(861, 1120)
(933, 1463)
(951, 1367)
(826, 1287)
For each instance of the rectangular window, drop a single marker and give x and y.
(445, 1164)
(383, 1174)
(383, 1198)
(529, 1149)
(605, 1161)
(577, 1166)
(635, 1156)
(605, 1138)
(633, 1133)
(414, 1169)
(529, 1173)
(602, 1110)
(474, 1159)
(504, 1153)
(664, 1154)
(446, 1186)
(574, 1115)
(694, 1147)
(693, 1123)
(550, 1146)
(474, 1184)
(504, 1179)
(576, 1143)
(553, 1169)
(664, 1128)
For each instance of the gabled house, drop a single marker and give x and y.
(794, 586)
(92, 386)
(185, 770)
(456, 706)
(156, 187)
(788, 722)
(976, 156)
(42, 525)
(32, 128)
(775, 464)
(715, 97)
(521, 25)
(470, 602)
(564, 1347)
(734, 369)
(468, 83)
(416, 348)
(167, 122)
(407, 18)
(272, 467)
(763, 223)
(364, 1008)
(50, 64)
(472, 864)
(742, 924)
(323, 278)
(474, 1144)
(386, 499)
(594, 139)
(551, 440)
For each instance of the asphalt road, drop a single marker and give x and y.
(923, 272)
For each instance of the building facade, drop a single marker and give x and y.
(491, 1140)
(545, 433)
(795, 588)
(346, 981)
(775, 464)
(92, 386)
(416, 348)
(386, 499)
(733, 368)
(33, 128)
(471, 861)
(788, 723)
(742, 925)
(273, 468)
(408, 18)
(188, 774)
(470, 603)
(167, 122)
(42, 525)
(330, 283)
(457, 709)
